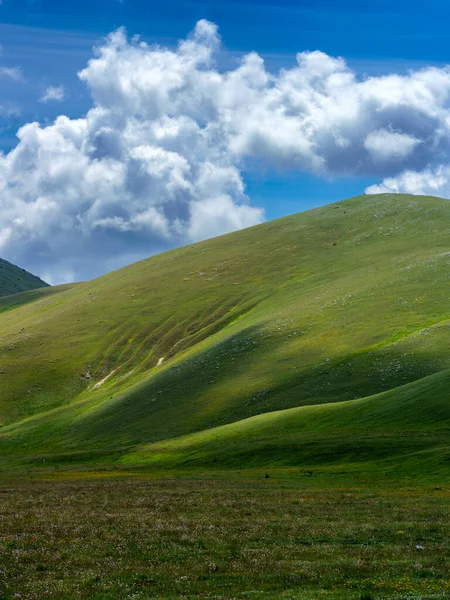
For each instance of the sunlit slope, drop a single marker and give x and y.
(14, 280)
(334, 304)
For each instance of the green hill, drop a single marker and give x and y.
(14, 280)
(336, 318)
(404, 432)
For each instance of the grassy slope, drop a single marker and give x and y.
(338, 303)
(14, 280)
(8, 303)
(403, 431)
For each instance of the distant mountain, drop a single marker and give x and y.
(14, 279)
(338, 318)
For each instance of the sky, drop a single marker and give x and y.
(130, 127)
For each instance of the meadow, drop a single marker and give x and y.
(235, 535)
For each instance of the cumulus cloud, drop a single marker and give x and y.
(159, 158)
(433, 181)
(386, 145)
(148, 167)
(54, 94)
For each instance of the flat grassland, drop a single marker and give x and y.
(236, 535)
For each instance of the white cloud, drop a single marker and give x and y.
(434, 181)
(14, 73)
(54, 94)
(146, 169)
(158, 159)
(386, 145)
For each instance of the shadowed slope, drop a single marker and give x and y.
(14, 280)
(16, 300)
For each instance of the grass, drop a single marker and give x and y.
(240, 536)
(403, 431)
(14, 280)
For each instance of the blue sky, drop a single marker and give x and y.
(51, 41)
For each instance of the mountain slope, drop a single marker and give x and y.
(14, 280)
(331, 305)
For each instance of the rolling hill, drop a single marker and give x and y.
(14, 280)
(318, 339)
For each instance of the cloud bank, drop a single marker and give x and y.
(159, 158)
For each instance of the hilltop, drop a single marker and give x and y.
(291, 343)
(14, 280)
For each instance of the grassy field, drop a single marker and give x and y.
(288, 536)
